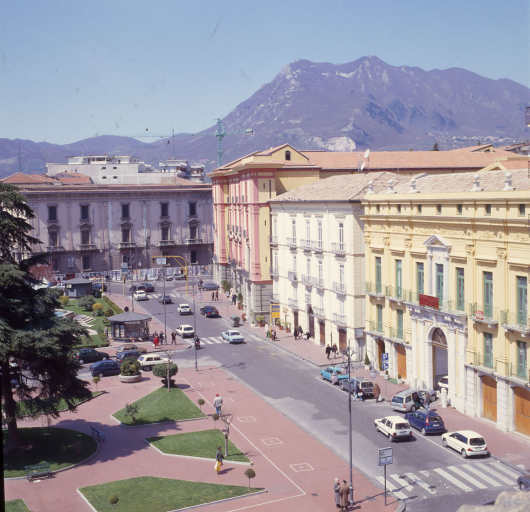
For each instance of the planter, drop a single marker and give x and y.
(130, 378)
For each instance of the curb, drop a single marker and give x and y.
(170, 422)
(191, 507)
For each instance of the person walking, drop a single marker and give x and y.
(344, 498)
(334, 350)
(336, 491)
(213, 296)
(161, 338)
(377, 393)
(218, 404)
(173, 337)
(216, 294)
(234, 299)
(328, 351)
(156, 341)
(219, 460)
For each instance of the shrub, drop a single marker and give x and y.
(63, 299)
(131, 410)
(226, 285)
(97, 308)
(160, 370)
(250, 473)
(366, 359)
(113, 500)
(87, 302)
(130, 367)
(108, 312)
(96, 380)
(201, 402)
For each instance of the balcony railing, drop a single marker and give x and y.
(338, 248)
(483, 315)
(480, 359)
(291, 242)
(339, 288)
(307, 280)
(166, 243)
(273, 240)
(316, 245)
(55, 248)
(292, 276)
(318, 312)
(520, 372)
(319, 283)
(339, 319)
(375, 327)
(394, 293)
(127, 245)
(306, 244)
(191, 241)
(517, 322)
(87, 247)
(396, 334)
(374, 289)
(292, 303)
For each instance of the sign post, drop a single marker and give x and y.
(385, 457)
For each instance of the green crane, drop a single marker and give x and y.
(220, 134)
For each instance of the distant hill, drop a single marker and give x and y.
(364, 103)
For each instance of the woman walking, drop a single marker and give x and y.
(219, 460)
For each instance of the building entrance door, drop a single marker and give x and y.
(521, 398)
(401, 361)
(439, 357)
(295, 319)
(380, 352)
(343, 341)
(311, 321)
(322, 329)
(489, 398)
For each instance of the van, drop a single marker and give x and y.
(356, 384)
(405, 401)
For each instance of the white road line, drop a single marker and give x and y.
(452, 479)
(467, 477)
(415, 480)
(404, 484)
(486, 478)
(500, 476)
(399, 495)
(510, 472)
(217, 340)
(207, 341)
(424, 472)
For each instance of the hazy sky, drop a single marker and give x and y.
(71, 69)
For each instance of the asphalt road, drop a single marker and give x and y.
(424, 474)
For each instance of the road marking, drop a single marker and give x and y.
(392, 487)
(271, 441)
(424, 473)
(218, 340)
(486, 478)
(452, 479)
(510, 472)
(415, 480)
(467, 477)
(500, 476)
(402, 482)
(301, 466)
(207, 341)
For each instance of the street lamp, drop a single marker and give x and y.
(194, 321)
(348, 353)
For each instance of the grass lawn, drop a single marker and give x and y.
(58, 447)
(24, 407)
(157, 494)
(16, 506)
(198, 444)
(161, 405)
(94, 340)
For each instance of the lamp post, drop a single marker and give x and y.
(194, 321)
(348, 354)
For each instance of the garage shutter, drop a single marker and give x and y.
(522, 410)
(401, 361)
(489, 398)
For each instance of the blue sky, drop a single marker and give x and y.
(71, 69)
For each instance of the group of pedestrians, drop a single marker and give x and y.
(215, 295)
(299, 333)
(160, 339)
(341, 491)
(331, 349)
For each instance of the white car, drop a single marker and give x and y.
(186, 331)
(466, 442)
(232, 336)
(140, 295)
(184, 309)
(147, 361)
(394, 427)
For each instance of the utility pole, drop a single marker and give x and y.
(194, 322)
(348, 354)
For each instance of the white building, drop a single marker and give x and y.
(317, 256)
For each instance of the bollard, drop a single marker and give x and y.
(444, 397)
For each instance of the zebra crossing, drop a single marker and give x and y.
(452, 479)
(215, 340)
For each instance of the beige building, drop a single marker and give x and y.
(447, 270)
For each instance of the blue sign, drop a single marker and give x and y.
(385, 356)
(385, 365)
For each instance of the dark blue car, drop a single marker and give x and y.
(427, 422)
(105, 367)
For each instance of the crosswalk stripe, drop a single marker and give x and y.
(452, 479)
(500, 476)
(467, 477)
(399, 495)
(486, 478)
(415, 480)
(510, 472)
(255, 338)
(405, 485)
(218, 340)
(207, 341)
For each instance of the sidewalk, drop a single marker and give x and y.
(296, 470)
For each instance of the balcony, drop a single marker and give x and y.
(394, 293)
(339, 288)
(273, 240)
(339, 319)
(316, 245)
(274, 273)
(291, 275)
(192, 241)
(291, 242)
(87, 247)
(306, 244)
(339, 249)
(484, 361)
(515, 322)
(484, 316)
(318, 283)
(307, 280)
(520, 372)
(318, 312)
(373, 326)
(292, 303)
(374, 290)
(396, 334)
(127, 245)
(55, 248)
(166, 243)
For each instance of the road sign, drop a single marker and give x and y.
(160, 261)
(275, 310)
(384, 356)
(385, 456)
(385, 365)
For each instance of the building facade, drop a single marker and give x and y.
(92, 228)
(447, 271)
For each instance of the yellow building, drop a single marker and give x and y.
(447, 270)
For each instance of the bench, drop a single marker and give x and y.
(38, 470)
(100, 437)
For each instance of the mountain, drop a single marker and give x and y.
(364, 103)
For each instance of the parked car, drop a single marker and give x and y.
(427, 422)
(394, 427)
(210, 286)
(186, 331)
(148, 287)
(131, 346)
(147, 361)
(466, 442)
(89, 355)
(328, 373)
(523, 482)
(355, 384)
(184, 309)
(232, 336)
(165, 299)
(140, 295)
(106, 367)
(128, 354)
(209, 312)
(99, 286)
(406, 401)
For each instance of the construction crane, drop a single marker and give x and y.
(220, 134)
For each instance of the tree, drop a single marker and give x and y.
(250, 473)
(35, 345)
(165, 371)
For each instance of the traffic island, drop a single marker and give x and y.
(202, 444)
(158, 494)
(159, 406)
(59, 447)
(16, 506)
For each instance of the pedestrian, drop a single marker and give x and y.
(213, 296)
(344, 495)
(200, 284)
(156, 340)
(334, 349)
(273, 335)
(336, 491)
(218, 403)
(219, 460)
(377, 393)
(234, 299)
(161, 338)
(328, 351)
(173, 337)
(307, 335)
(216, 294)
